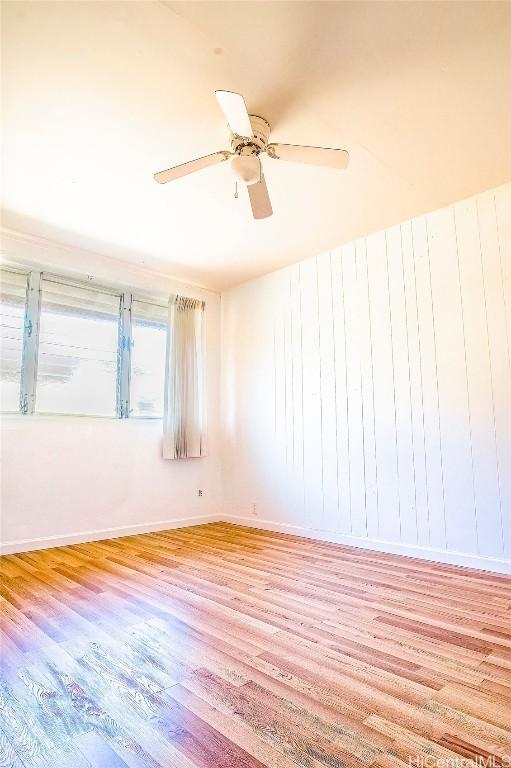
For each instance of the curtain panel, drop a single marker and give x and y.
(184, 423)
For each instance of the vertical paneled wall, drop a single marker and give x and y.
(367, 391)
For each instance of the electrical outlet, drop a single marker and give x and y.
(253, 509)
(199, 492)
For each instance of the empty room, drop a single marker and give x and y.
(255, 384)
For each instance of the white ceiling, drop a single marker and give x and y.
(97, 96)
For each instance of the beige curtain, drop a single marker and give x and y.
(184, 417)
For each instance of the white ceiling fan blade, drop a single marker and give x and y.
(162, 177)
(260, 199)
(235, 110)
(331, 158)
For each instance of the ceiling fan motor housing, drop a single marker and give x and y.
(259, 141)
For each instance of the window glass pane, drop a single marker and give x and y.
(78, 342)
(149, 338)
(13, 297)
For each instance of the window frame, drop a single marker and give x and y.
(154, 302)
(30, 353)
(26, 273)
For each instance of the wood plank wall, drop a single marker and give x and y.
(368, 390)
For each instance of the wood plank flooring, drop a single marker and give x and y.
(225, 647)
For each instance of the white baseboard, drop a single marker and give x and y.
(29, 545)
(495, 565)
(425, 553)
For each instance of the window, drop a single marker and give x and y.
(13, 295)
(70, 347)
(148, 342)
(78, 343)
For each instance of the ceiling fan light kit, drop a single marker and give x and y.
(246, 166)
(249, 139)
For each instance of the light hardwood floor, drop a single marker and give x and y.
(225, 647)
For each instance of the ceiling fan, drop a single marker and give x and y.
(249, 139)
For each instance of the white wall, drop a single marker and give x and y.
(367, 391)
(67, 479)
